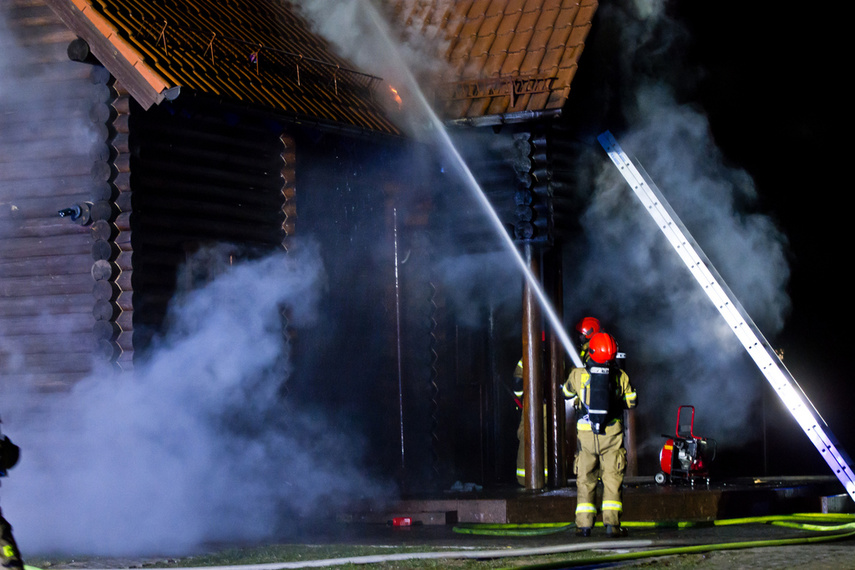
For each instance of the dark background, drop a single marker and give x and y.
(776, 106)
(769, 76)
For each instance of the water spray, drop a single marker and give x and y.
(442, 137)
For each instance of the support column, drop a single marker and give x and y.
(532, 382)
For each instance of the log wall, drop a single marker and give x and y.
(158, 185)
(47, 141)
(201, 174)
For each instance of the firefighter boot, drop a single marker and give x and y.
(615, 531)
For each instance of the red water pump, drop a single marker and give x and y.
(685, 457)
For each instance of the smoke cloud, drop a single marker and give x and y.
(197, 444)
(679, 349)
(406, 59)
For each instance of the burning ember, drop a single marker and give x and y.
(396, 97)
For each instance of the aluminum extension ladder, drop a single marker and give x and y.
(782, 381)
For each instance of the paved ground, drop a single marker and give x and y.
(837, 554)
(793, 547)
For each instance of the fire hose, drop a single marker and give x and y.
(792, 521)
(814, 522)
(839, 526)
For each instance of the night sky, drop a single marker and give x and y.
(776, 109)
(765, 76)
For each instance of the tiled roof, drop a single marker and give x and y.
(506, 56)
(254, 51)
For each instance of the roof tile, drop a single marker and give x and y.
(504, 55)
(256, 51)
(532, 52)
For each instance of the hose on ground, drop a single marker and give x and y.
(815, 522)
(697, 549)
(792, 521)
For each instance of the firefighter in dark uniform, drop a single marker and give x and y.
(601, 392)
(585, 328)
(10, 556)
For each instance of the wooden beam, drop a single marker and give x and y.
(117, 55)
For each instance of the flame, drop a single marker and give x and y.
(396, 97)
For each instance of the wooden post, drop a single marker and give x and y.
(532, 382)
(630, 443)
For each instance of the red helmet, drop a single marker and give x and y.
(588, 327)
(602, 347)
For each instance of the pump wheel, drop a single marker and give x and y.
(661, 478)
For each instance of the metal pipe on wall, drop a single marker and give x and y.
(555, 377)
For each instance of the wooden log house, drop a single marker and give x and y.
(159, 127)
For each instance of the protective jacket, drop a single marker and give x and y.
(601, 394)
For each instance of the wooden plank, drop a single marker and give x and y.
(53, 363)
(24, 168)
(38, 247)
(45, 383)
(53, 324)
(49, 140)
(43, 228)
(42, 184)
(51, 304)
(19, 267)
(48, 285)
(50, 343)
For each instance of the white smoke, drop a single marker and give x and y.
(197, 444)
(627, 274)
(405, 58)
(360, 32)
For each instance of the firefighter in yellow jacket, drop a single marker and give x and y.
(601, 391)
(585, 329)
(10, 556)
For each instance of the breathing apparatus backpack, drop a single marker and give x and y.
(601, 406)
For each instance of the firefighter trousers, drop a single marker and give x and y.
(599, 456)
(10, 556)
(521, 449)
